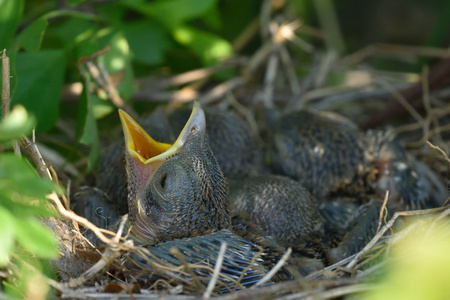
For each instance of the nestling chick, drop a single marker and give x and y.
(177, 190)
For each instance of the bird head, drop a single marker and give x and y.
(174, 190)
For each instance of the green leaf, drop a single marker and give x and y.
(71, 31)
(151, 49)
(10, 15)
(16, 124)
(24, 206)
(87, 125)
(209, 47)
(75, 2)
(31, 37)
(18, 179)
(39, 88)
(212, 18)
(118, 60)
(8, 234)
(172, 13)
(36, 238)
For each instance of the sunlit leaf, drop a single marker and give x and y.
(40, 84)
(36, 238)
(118, 62)
(8, 232)
(209, 47)
(31, 37)
(16, 124)
(26, 206)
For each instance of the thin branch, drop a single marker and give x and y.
(31, 151)
(440, 150)
(197, 285)
(217, 268)
(382, 210)
(221, 89)
(385, 228)
(6, 93)
(275, 269)
(80, 220)
(6, 96)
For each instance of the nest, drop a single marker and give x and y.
(88, 272)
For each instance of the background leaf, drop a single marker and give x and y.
(10, 15)
(31, 37)
(151, 49)
(40, 84)
(172, 13)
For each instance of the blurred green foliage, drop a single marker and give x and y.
(22, 203)
(418, 265)
(45, 40)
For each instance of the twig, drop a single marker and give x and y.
(385, 228)
(6, 96)
(31, 151)
(337, 292)
(177, 253)
(290, 71)
(325, 66)
(151, 84)
(401, 99)
(6, 93)
(83, 221)
(217, 268)
(220, 90)
(372, 50)
(275, 269)
(382, 210)
(109, 87)
(269, 79)
(440, 150)
(112, 252)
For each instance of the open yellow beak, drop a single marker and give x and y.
(143, 147)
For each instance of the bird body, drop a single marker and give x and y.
(323, 151)
(279, 205)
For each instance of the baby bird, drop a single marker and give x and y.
(280, 206)
(334, 160)
(177, 190)
(323, 151)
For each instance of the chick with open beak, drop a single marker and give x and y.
(177, 190)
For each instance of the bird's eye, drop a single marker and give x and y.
(163, 181)
(193, 129)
